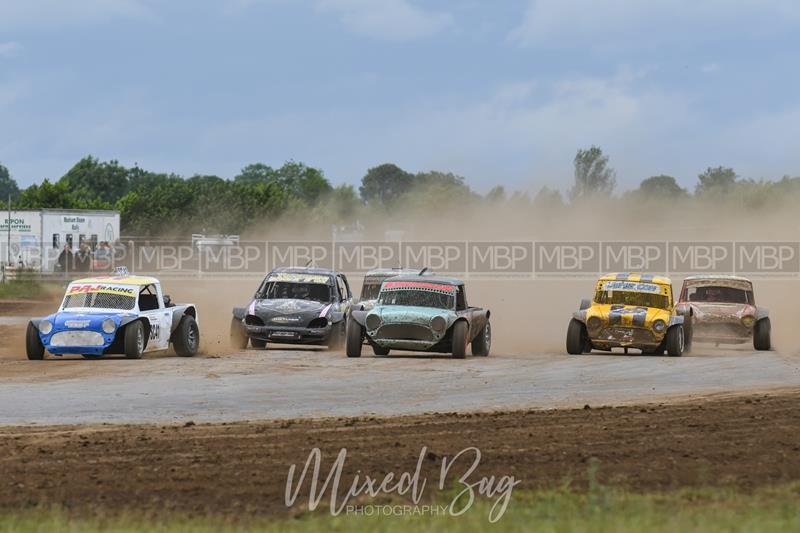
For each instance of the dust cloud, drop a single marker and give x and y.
(531, 316)
(528, 316)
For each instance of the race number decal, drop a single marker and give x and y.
(155, 330)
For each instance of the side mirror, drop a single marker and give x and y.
(167, 300)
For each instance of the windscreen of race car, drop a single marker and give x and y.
(317, 292)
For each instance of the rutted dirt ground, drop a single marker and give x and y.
(742, 442)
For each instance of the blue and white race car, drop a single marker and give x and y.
(119, 314)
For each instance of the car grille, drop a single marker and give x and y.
(730, 329)
(414, 332)
(77, 338)
(621, 334)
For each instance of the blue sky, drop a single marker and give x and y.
(499, 92)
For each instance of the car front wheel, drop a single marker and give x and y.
(674, 341)
(238, 336)
(134, 340)
(460, 332)
(33, 344)
(355, 338)
(761, 335)
(577, 338)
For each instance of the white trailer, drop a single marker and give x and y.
(37, 237)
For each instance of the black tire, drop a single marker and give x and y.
(337, 338)
(186, 337)
(33, 344)
(380, 350)
(355, 338)
(460, 333)
(134, 340)
(761, 335)
(577, 338)
(482, 343)
(239, 338)
(687, 334)
(674, 341)
(258, 343)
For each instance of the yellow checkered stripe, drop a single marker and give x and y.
(636, 277)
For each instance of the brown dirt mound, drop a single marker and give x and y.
(242, 467)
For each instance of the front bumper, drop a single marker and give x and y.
(77, 342)
(405, 336)
(626, 337)
(290, 334)
(721, 332)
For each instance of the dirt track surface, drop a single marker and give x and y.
(242, 467)
(271, 384)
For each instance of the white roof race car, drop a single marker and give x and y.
(116, 314)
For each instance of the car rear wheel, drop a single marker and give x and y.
(355, 338)
(674, 341)
(577, 338)
(761, 335)
(186, 337)
(33, 344)
(460, 332)
(238, 336)
(134, 340)
(483, 342)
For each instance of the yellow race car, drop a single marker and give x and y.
(628, 310)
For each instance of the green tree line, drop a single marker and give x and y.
(152, 203)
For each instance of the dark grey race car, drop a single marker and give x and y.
(295, 306)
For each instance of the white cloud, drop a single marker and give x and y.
(392, 20)
(16, 15)
(609, 23)
(10, 49)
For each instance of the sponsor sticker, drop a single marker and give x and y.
(83, 288)
(398, 285)
(632, 286)
(299, 278)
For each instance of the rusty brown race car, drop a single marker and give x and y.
(722, 310)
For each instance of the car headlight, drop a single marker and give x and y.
(659, 325)
(45, 327)
(748, 321)
(373, 322)
(109, 326)
(438, 323)
(594, 323)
